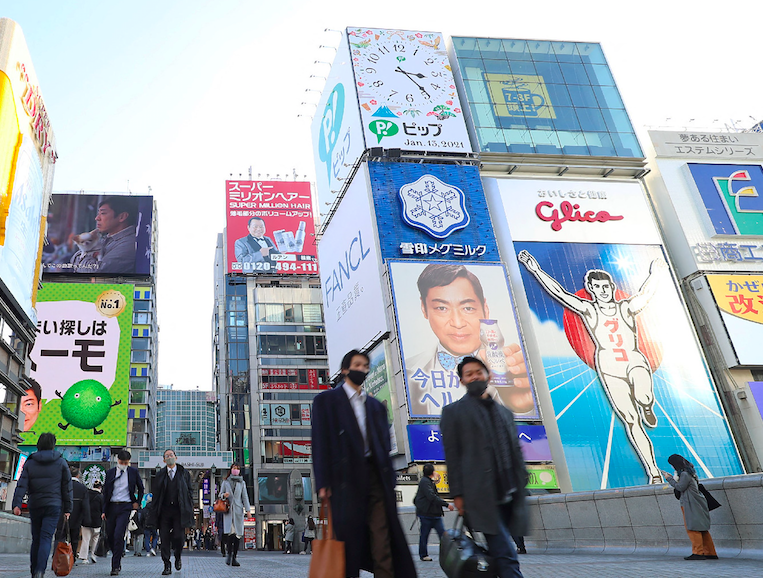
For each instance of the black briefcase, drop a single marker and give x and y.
(461, 556)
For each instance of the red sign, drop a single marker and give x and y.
(570, 212)
(295, 386)
(312, 378)
(271, 228)
(297, 452)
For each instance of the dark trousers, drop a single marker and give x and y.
(149, 539)
(171, 532)
(427, 524)
(501, 547)
(233, 543)
(44, 521)
(378, 526)
(117, 517)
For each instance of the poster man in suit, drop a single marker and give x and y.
(256, 247)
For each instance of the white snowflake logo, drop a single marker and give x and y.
(433, 206)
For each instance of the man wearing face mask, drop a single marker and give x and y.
(171, 509)
(479, 435)
(122, 492)
(352, 466)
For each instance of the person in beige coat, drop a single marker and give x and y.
(233, 489)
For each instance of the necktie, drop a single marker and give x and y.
(448, 361)
(172, 475)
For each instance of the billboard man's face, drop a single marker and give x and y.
(454, 312)
(30, 405)
(601, 289)
(106, 221)
(257, 228)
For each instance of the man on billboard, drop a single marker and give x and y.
(256, 247)
(114, 252)
(30, 404)
(624, 371)
(453, 302)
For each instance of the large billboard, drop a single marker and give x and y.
(446, 311)
(628, 384)
(432, 211)
(740, 301)
(81, 365)
(99, 235)
(270, 227)
(353, 301)
(380, 385)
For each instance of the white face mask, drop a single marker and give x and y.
(122, 467)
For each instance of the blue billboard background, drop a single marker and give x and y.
(690, 420)
(470, 235)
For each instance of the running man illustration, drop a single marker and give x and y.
(623, 370)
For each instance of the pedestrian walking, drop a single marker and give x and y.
(47, 482)
(137, 527)
(80, 510)
(233, 489)
(309, 535)
(429, 507)
(171, 509)
(351, 448)
(479, 435)
(150, 534)
(288, 539)
(220, 534)
(122, 493)
(91, 527)
(694, 508)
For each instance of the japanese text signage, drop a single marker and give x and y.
(81, 363)
(708, 145)
(426, 443)
(270, 227)
(740, 300)
(432, 212)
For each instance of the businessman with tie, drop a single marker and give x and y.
(122, 493)
(255, 250)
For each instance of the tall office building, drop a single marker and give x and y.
(186, 421)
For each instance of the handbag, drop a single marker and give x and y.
(221, 505)
(461, 556)
(63, 557)
(102, 548)
(712, 503)
(328, 559)
(131, 525)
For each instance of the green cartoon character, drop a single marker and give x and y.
(85, 405)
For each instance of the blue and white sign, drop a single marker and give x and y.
(426, 443)
(432, 212)
(534, 443)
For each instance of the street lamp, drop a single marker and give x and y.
(299, 495)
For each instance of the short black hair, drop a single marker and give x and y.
(124, 455)
(122, 204)
(469, 359)
(249, 222)
(74, 469)
(36, 389)
(428, 470)
(46, 441)
(164, 453)
(442, 275)
(347, 359)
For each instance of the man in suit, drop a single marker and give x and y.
(122, 492)
(171, 509)
(255, 247)
(351, 448)
(479, 435)
(80, 510)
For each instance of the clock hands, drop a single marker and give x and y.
(410, 76)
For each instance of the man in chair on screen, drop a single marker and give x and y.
(623, 370)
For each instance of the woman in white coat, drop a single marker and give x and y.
(233, 489)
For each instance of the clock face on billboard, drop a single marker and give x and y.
(406, 91)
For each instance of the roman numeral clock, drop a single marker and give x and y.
(406, 91)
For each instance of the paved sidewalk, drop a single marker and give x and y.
(275, 564)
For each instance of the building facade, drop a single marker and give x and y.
(186, 421)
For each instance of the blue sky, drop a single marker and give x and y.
(176, 96)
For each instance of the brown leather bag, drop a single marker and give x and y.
(221, 505)
(63, 557)
(327, 560)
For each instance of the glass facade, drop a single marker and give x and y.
(186, 421)
(555, 98)
(143, 369)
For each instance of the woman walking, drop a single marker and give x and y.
(309, 535)
(289, 536)
(694, 507)
(234, 490)
(91, 528)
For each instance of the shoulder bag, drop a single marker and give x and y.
(328, 559)
(461, 556)
(221, 505)
(63, 557)
(712, 503)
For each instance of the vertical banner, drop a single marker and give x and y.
(80, 365)
(270, 227)
(379, 384)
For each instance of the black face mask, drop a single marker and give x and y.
(356, 376)
(476, 388)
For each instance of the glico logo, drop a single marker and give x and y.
(331, 123)
(731, 195)
(569, 212)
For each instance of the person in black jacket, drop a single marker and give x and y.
(48, 483)
(91, 527)
(122, 493)
(171, 509)
(80, 510)
(429, 507)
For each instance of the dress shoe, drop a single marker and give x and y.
(178, 563)
(426, 559)
(695, 557)
(167, 569)
(713, 557)
(114, 572)
(521, 551)
(235, 562)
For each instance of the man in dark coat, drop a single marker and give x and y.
(486, 470)
(352, 466)
(429, 507)
(171, 509)
(47, 482)
(80, 510)
(122, 493)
